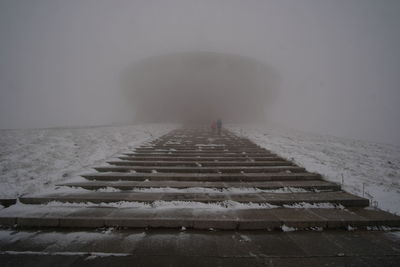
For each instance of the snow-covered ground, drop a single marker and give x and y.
(366, 169)
(34, 160)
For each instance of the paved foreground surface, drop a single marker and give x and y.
(206, 192)
(199, 248)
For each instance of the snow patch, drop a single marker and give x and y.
(287, 228)
(304, 205)
(108, 189)
(233, 190)
(244, 238)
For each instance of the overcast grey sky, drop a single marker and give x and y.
(338, 60)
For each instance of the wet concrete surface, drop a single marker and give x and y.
(110, 247)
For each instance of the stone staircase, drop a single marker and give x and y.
(192, 178)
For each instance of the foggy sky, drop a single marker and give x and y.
(338, 61)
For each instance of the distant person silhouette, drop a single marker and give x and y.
(213, 126)
(219, 126)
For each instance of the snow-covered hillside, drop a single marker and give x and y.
(366, 169)
(34, 160)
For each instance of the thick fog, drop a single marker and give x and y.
(200, 87)
(328, 66)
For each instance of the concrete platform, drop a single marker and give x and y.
(198, 248)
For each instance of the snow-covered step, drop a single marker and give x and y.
(194, 147)
(198, 164)
(128, 185)
(336, 197)
(203, 142)
(247, 177)
(5, 202)
(166, 150)
(209, 147)
(199, 159)
(233, 169)
(195, 216)
(219, 155)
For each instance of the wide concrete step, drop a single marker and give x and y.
(195, 144)
(205, 139)
(203, 142)
(201, 155)
(129, 185)
(198, 164)
(188, 148)
(336, 197)
(235, 169)
(198, 144)
(202, 219)
(246, 177)
(199, 159)
(191, 146)
(225, 150)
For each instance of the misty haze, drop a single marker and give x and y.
(148, 122)
(199, 86)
